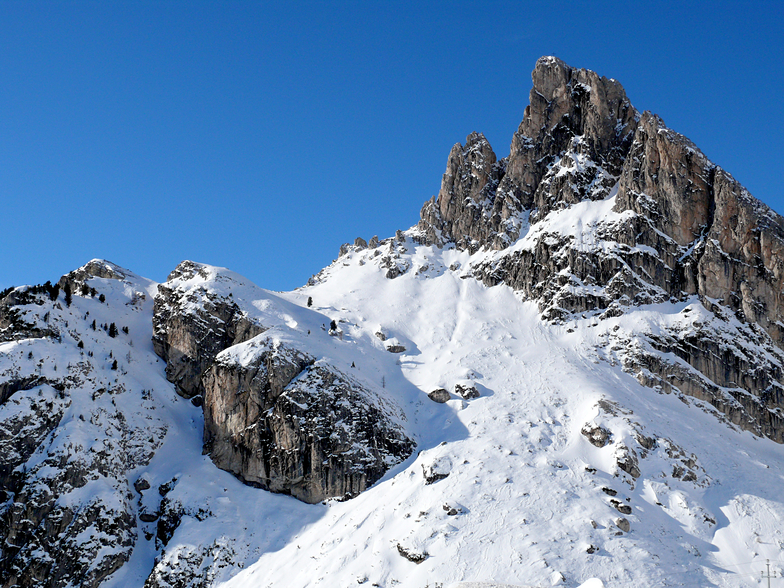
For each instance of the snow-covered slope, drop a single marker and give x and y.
(526, 497)
(568, 373)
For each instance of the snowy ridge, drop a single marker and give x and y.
(526, 498)
(569, 373)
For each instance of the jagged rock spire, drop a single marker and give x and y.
(680, 226)
(573, 113)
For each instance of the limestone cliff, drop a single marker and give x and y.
(665, 224)
(275, 414)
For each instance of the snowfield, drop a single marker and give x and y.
(506, 489)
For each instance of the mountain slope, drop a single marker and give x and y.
(568, 371)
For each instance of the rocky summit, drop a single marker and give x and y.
(568, 372)
(675, 226)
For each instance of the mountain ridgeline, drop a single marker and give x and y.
(139, 421)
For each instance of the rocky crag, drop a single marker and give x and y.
(84, 410)
(666, 224)
(276, 415)
(67, 439)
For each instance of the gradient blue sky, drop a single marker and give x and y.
(260, 136)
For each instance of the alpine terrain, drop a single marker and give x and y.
(568, 372)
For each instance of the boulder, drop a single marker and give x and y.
(439, 395)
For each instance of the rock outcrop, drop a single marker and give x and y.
(191, 325)
(571, 145)
(289, 423)
(274, 415)
(67, 515)
(607, 208)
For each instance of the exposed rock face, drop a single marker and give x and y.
(191, 326)
(67, 515)
(672, 225)
(468, 186)
(275, 416)
(575, 132)
(95, 268)
(288, 423)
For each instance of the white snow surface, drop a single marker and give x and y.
(524, 485)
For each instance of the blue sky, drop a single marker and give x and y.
(260, 136)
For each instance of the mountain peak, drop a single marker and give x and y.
(549, 74)
(614, 376)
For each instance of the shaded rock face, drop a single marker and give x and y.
(291, 424)
(191, 328)
(718, 361)
(17, 322)
(675, 226)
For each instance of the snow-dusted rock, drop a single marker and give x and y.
(71, 430)
(192, 324)
(282, 420)
(276, 416)
(467, 391)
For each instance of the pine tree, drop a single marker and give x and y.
(102, 298)
(310, 301)
(92, 326)
(67, 290)
(112, 330)
(333, 326)
(85, 289)
(114, 364)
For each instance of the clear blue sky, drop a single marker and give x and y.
(260, 136)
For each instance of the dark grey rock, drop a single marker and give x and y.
(597, 435)
(621, 507)
(141, 485)
(439, 395)
(289, 423)
(411, 555)
(466, 392)
(626, 459)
